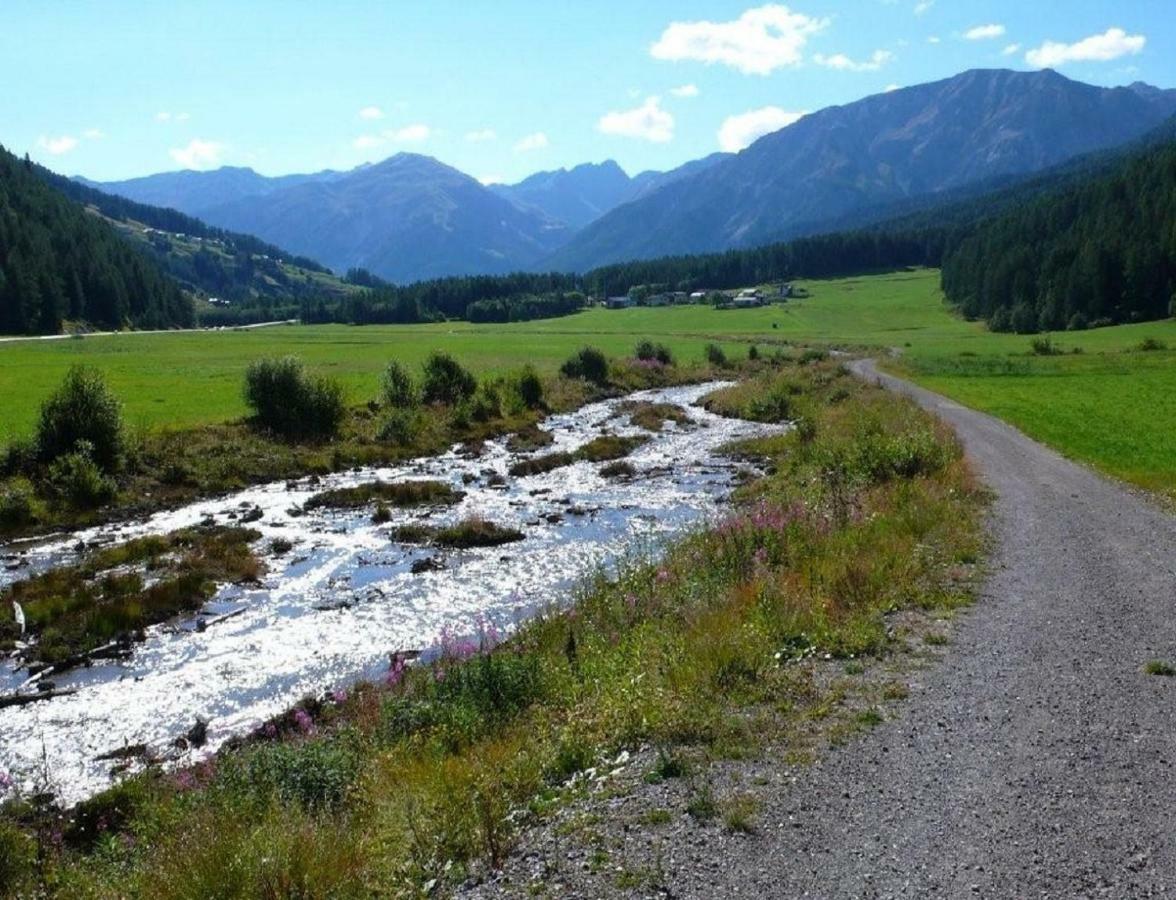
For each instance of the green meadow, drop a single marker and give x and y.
(1102, 400)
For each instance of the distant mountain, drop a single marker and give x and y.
(195, 192)
(911, 142)
(572, 196)
(580, 196)
(60, 263)
(407, 218)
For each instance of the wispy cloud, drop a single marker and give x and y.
(371, 113)
(647, 122)
(57, 145)
(491, 179)
(93, 134)
(890, 88)
(1111, 44)
(922, 6)
(408, 134)
(1010, 49)
(843, 63)
(171, 117)
(532, 142)
(757, 43)
(742, 130)
(933, 39)
(984, 32)
(686, 90)
(481, 136)
(199, 154)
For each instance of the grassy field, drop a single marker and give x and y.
(1110, 405)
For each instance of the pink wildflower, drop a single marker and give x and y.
(303, 721)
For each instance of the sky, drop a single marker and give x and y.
(114, 89)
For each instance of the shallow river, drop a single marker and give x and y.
(332, 609)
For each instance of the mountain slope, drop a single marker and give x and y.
(59, 262)
(407, 218)
(906, 143)
(572, 196)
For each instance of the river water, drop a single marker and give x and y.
(332, 609)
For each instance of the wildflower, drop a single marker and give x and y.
(339, 695)
(663, 575)
(439, 675)
(761, 556)
(6, 782)
(303, 721)
(631, 601)
(396, 672)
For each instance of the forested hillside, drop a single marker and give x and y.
(1098, 251)
(59, 262)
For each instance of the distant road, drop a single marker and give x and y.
(89, 334)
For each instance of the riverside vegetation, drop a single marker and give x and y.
(404, 787)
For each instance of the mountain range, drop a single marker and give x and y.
(412, 217)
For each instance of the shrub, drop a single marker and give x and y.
(397, 387)
(1044, 346)
(82, 409)
(589, 364)
(647, 351)
(1078, 322)
(530, 388)
(77, 480)
(446, 381)
(17, 855)
(1151, 344)
(753, 353)
(291, 403)
(486, 404)
(715, 356)
(400, 427)
(18, 504)
(317, 774)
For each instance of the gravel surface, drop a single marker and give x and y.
(1034, 760)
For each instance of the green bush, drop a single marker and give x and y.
(486, 404)
(530, 388)
(400, 427)
(18, 504)
(1152, 344)
(589, 364)
(76, 479)
(397, 387)
(316, 774)
(753, 353)
(291, 403)
(715, 356)
(1044, 346)
(82, 409)
(647, 351)
(446, 381)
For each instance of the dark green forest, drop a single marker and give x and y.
(1097, 252)
(59, 262)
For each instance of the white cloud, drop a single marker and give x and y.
(890, 88)
(933, 39)
(536, 141)
(984, 32)
(491, 179)
(843, 63)
(171, 117)
(1010, 49)
(57, 145)
(198, 154)
(757, 43)
(371, 113)
(742, 130)
(647, 122)
(481, 136)
(686, 90)
(923, 6)
(93, 134)
(1112, 44)
(409, 134)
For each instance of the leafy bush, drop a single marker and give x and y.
(530, 388)
(317, 774)
(397, 387)
(647, 351)
(1151, 344)
(400, 427)
(446, 381)
(715, 356)
(291, 403)
(486, 404)
(589, 364)
(1044, 346)
(78, 481)
(17, 855)
(18, 504)
(753, 353)
(82, 409)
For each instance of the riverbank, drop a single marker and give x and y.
(417, 782)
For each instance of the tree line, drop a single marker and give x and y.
(59, 262)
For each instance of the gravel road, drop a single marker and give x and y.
(1035, 760)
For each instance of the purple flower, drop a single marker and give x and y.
(631, 601)
(761, 556)
(395, 672)
(6, 782)
(185, 780)
(663, 575)
(303, 721)
(339, 695)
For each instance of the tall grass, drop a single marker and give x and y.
(399, 787)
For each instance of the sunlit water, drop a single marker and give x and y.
(332, 609)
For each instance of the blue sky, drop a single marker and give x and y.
(505, 88)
